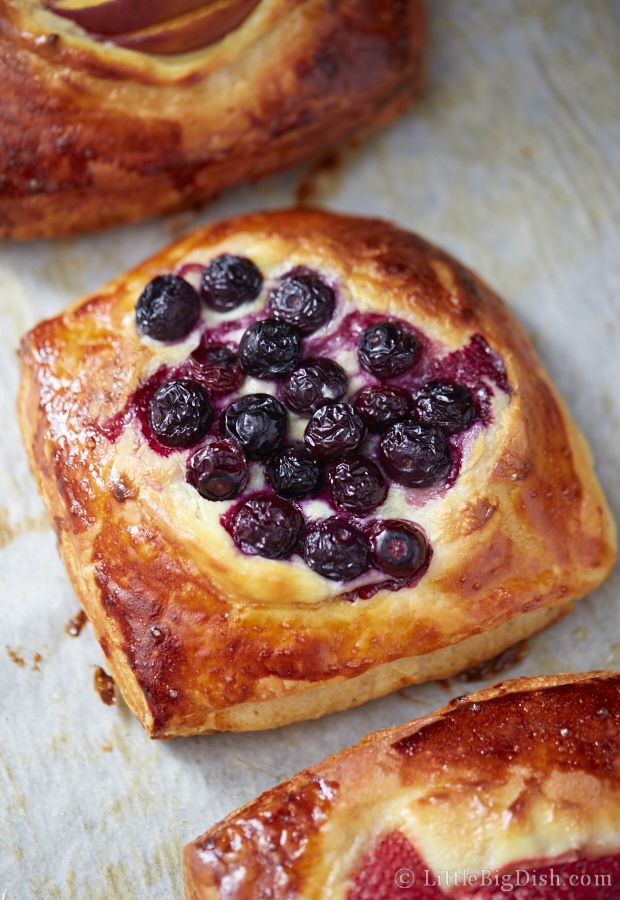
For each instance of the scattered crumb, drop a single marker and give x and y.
(15, 656)
(107, 747)
(527, 152)
(74, 625)
(104, 685)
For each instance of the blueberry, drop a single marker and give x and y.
(312, 383)
(216, 367)
(382, 404)
(335, 549)
(218, 471)
(167, 309)
(447, 404)
(269, 349)
(387, 349)
(228, 281)
(335, 429)
(266, 525)
(180, 413)
(302, 299)
(293, 472)
(357, 485)
(414, 454)
(257, 422)
(398, 548)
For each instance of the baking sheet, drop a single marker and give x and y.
(511, 161)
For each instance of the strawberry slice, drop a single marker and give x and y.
(393, 871)
(583, 879)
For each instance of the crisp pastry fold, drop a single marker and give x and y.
(298, 460)
(115, 110)
(510, 791)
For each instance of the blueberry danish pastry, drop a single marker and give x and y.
(513, 791)
(115, 110)
(298, 460)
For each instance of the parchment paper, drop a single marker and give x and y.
(511, 161)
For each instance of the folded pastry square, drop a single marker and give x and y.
(115, 110)
(297, 460)
(510, 791)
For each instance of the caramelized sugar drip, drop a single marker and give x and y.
(104, 685)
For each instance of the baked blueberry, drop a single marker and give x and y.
(382, 404)
(302, 299)
(336, 549)
(228, 281)
(218, 471)
(216, 367)
(357, 485)
(167, 309)
(335, 429)
(180, 413)
(447, 404)
(257, 422)
(293, 472)
(397, 548)
(415, 454)
(387, 349)
(266, 525)
(313, 383)
(269, 349)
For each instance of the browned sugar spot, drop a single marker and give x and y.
(123, 490)
(476, 514)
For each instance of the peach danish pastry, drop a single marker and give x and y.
(116, 110)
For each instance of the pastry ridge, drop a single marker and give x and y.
(202, 638)
(94, 134)
(513, 775)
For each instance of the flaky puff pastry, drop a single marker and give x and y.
(202, 637)
(524, 776)
(99, 127)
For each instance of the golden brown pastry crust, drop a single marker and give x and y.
(201, 637)
(93, 134)
(526, 770)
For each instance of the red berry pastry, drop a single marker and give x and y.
(116, 110)
(298, 460)
(513, 791)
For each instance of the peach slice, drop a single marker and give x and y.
(190, 31)
(119, 16)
